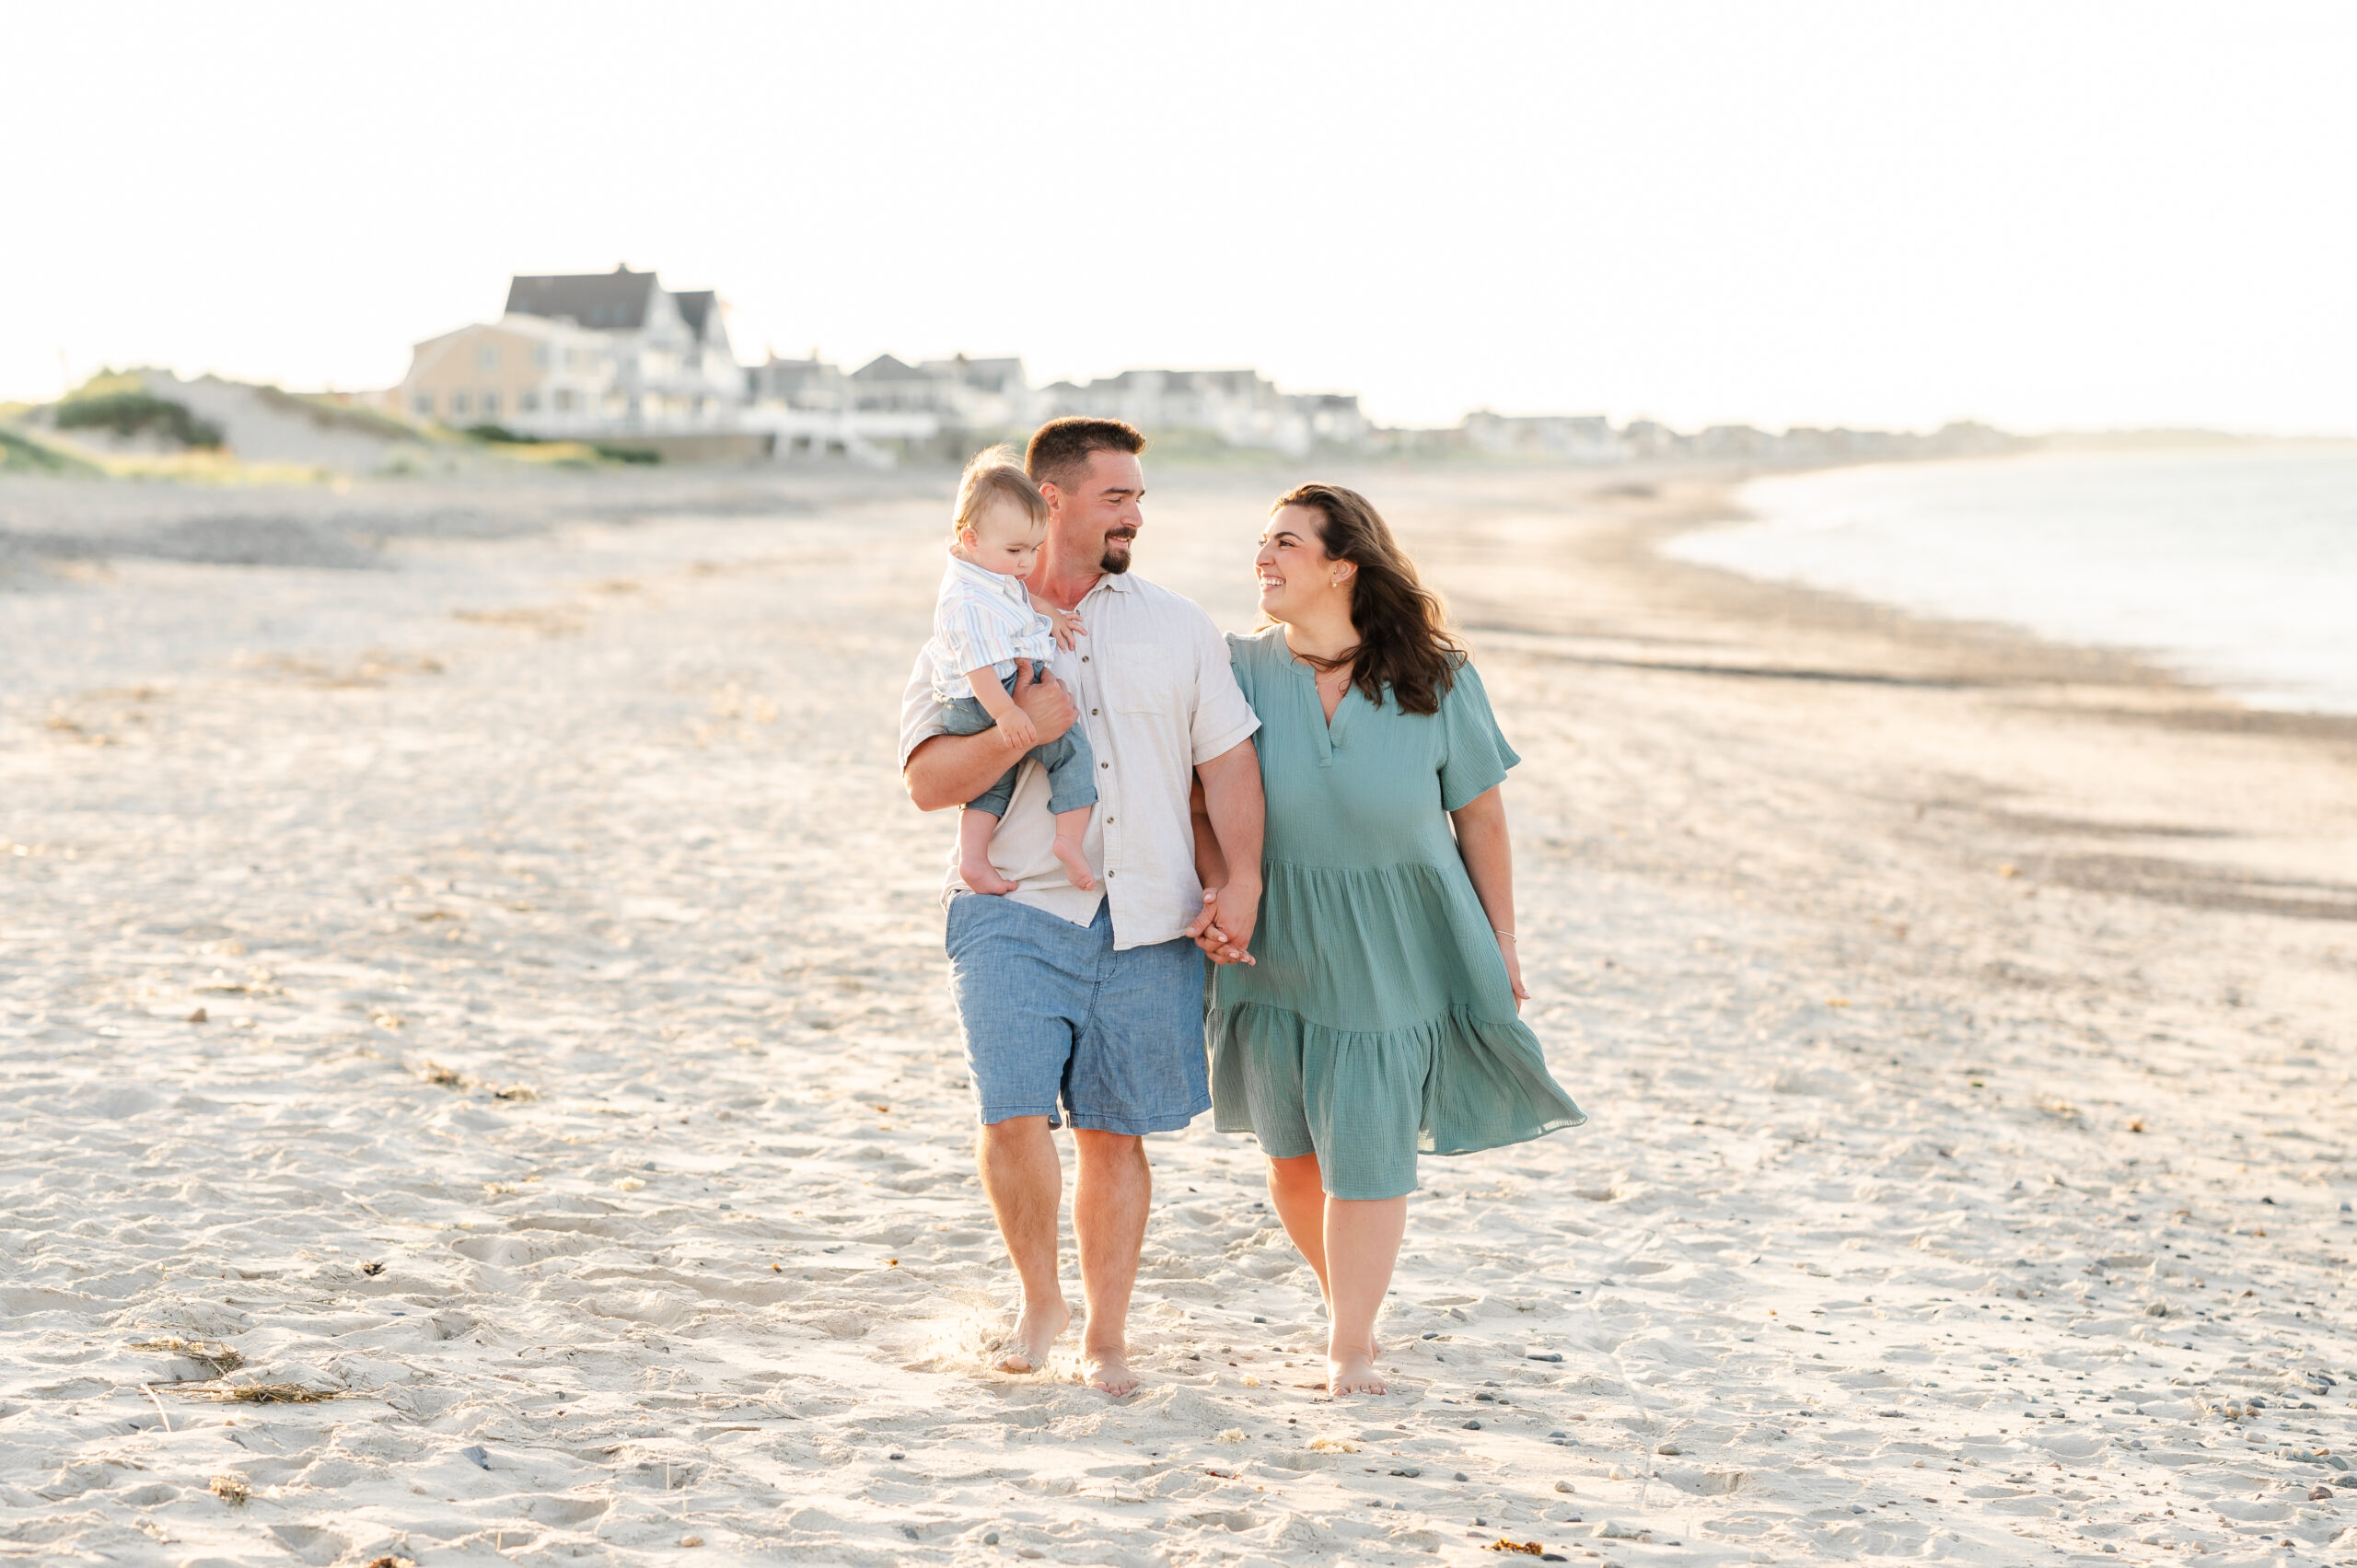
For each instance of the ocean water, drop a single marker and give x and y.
(2234, 566)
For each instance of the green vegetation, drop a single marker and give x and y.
(499, 435)
(627, 454)
(24, 453)
(136, 413)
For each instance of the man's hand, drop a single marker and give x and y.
(1045, 703)
(1223, 929)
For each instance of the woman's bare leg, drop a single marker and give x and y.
(1362, 1238)
(1299, 1195)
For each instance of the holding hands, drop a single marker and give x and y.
(1224, 931)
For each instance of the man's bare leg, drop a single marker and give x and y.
(1026, 1186)
(1111, 1193)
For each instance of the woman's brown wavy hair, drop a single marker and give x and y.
(1404, 641)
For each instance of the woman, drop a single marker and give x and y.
(1375, 1015)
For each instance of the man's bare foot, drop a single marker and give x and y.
(983, 876)
(1075, 866)
(1109, 1370)
(1035, 1334)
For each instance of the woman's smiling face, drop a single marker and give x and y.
(1293, 568)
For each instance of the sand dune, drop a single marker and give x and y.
(495, 982)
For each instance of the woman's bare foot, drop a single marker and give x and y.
(1034, 1334)
(1350, 1370)
(1075, 866)
(983, 876)
(1109, 1370)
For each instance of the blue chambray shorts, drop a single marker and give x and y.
(1051, 1015)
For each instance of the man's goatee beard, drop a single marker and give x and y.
(1117, 559)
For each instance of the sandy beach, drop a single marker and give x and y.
(466, 965)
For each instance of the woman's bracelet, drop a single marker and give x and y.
(1508, 935)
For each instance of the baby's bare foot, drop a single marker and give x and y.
(984, 878)
(1109, 1370)
(1075, 866)
(1034, 1334)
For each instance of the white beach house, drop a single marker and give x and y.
(585, 354)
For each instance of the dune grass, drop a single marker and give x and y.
(23, 452)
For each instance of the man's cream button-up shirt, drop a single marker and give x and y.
(1156, 697)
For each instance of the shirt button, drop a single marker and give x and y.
(1083, 659)
(1104, 764)
(1092, 713)
(1108, 819)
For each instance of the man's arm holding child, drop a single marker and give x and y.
(950, 769)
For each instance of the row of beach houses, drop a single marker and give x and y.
(615, 358)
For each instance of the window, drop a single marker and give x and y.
(487, 355)
(563, 400)
(491, 405)
(528, 402)
(458, 403)
(423, 405)
(541, 356)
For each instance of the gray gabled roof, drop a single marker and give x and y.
(696, 308)
(614, 301)
(884, 367)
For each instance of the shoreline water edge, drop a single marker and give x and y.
(2232, 564)
(478, 1080)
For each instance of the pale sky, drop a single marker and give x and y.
(2042, 215)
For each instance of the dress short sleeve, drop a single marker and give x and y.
(1474, 756)
(1239, 664)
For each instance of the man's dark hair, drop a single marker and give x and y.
(1062, 446)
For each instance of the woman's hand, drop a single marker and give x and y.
(1224, 930)
(1514, 969)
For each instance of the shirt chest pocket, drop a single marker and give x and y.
(1142, 678)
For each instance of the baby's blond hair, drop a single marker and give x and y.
(996, 474)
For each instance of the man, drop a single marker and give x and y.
(1092, 1002)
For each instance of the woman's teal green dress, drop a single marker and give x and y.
(1378, 1021)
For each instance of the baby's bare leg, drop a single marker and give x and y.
(1070, 827)
(975, 827)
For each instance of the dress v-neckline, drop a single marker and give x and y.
(1330, 729)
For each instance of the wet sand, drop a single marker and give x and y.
(1965, 1024)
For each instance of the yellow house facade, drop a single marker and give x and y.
(526, 372)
